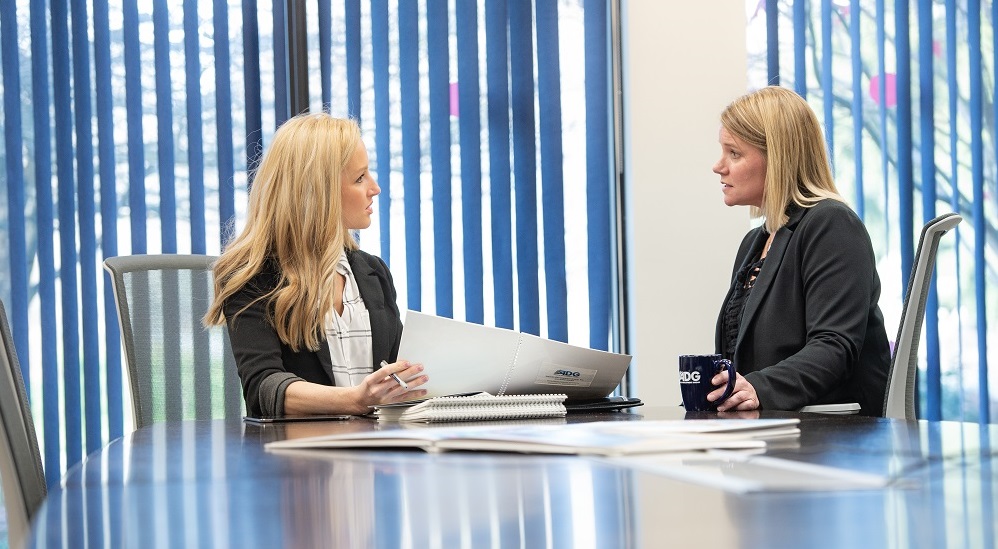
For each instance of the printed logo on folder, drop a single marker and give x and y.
(556, 374)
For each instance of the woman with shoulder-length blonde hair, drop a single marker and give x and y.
(801, 320)
(312, 319)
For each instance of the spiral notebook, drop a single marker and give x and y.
(475, 407)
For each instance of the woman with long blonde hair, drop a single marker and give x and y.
(801, 320)
(312, 319)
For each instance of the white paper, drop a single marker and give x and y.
(458, 357)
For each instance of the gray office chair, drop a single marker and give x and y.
(177, 369)
(21, 470)
(899, 402)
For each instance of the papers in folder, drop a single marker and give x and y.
(462, 357)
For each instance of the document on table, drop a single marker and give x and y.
(600, 438)
(462, 357)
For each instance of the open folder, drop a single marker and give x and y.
(462, 357)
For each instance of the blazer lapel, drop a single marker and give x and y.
(367, 280)
(766, 276)
(325, 359)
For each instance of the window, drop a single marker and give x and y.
(487, 122)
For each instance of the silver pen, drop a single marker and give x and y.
(384, 363)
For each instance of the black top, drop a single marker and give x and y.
(731, 317)
(267, 366)
(812, 331)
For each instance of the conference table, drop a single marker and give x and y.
(213, 483)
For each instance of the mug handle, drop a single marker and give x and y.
(730, 367)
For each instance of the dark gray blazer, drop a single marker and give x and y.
(267, 366)
(812, 331)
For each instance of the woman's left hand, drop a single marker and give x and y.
(742, 397)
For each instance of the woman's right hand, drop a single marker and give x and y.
(380, 387)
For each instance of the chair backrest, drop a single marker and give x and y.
(899, 401)
(20, 461)
(177, 369)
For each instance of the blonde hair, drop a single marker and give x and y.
(782, 125)
(295, 219)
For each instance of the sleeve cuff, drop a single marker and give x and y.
(272, 393)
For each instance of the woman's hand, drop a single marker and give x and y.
(742, 397)
(381, 388)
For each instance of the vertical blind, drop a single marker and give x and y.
(913, 84)
(113, 145)
(132, 127)
(488, 131)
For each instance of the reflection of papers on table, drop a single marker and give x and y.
(743, 472)
(608, 438)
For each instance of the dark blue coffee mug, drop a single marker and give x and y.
(695, 373)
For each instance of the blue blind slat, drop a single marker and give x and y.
(108, 213)
(927, 147)
(827, 98)
(857, 106)
(13, 145)
(438, 54)
(251, 81)
(88, 230)
(497, 78)
(552, 162)
(281, 107)
(521, 55)
(195, 140)
(45, 227)
(772, 42)
(982, 379)
(598, 190)
(906, 178)
(882, 111)
(382, 121)
(470, 127)
(223, 120)
(164, 128)
(68, 285)
(133, 109)
(411, 156)
(800, 47)
(353, 44)
(324, 14)
(977, 176)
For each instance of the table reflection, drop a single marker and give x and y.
(213, 484)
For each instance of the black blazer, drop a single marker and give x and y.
(259, 353)
(812, 331)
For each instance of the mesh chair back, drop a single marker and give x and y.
(900, 399)
(177, 369)
(20, 460)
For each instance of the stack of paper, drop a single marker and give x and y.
(605, 438)
(476, 407)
